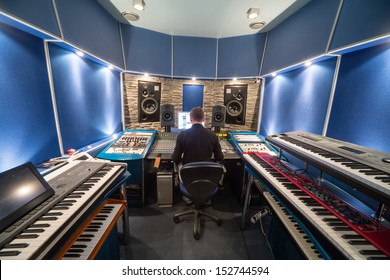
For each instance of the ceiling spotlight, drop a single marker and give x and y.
(257, 24)
(253, 12)
(130, 16)
(139, 5)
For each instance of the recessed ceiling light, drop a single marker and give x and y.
(130, 16)
(257, 24)
(253, 12)
(139, 5)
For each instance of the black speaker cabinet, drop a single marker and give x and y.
(149, 96)
(167, 116)
(235, 102)
(218, 116)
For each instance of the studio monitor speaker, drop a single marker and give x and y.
(167, 116)
(149, 96)
(235, 102)
(218, 116)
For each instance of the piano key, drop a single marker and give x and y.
(39, 242)
(339, 235)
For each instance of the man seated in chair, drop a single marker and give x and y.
(197, 143)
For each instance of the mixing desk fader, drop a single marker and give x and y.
(164, 145)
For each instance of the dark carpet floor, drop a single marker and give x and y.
(154, 234)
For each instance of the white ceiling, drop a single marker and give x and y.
(204, 18)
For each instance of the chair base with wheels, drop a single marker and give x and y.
(198, 212)
(199, 182)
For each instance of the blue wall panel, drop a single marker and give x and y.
(88, 25)
(39, 13)
(298, 100)
(360, 112)
(192, 97)
(240, 56)
(360, 20)
(146, 50)
(88, 98)
(27, 127)
(194, 56)
(302, 36)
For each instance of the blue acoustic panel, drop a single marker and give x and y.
(303, 35)
(360, 112)
(194, 56)
(27, 126)
(146, 50)
(298, 100)
(240, 56)
(192, 97)
(360, 20)
(39, 13)
(88, 98)
(89, 26)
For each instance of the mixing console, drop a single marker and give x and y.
(130, 143)
(164, 145)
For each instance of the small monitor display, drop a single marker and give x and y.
(184, 121)
(21, 190)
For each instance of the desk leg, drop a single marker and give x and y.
(247, 201)
(125, 217)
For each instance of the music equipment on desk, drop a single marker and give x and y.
(249, 142)
(132, 147)
(164, 145)
(345, 232)
(363, 168)
(78, 188)
(228, 150)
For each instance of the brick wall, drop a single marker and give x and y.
(171, 92)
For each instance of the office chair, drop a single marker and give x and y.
(199, 182)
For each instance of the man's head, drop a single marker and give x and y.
(197, 115)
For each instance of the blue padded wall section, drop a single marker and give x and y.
(88, 98)
(146, 50)
(39, 13)
(298, 100)
(89, 26)
(194, 56)
(27, 126)
(360, 112)
(360, 20)
(192, 97)
(240, 56)
(302, 36)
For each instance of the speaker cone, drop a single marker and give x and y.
(149, 105)
(234, 108)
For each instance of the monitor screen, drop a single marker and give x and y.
(21, 190)
(184, 121)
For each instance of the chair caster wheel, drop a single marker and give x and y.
(176, 220)
(219, 223)
(196, 236)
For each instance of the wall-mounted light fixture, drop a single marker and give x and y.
(139, 5)
(79, 53)
(253, 12)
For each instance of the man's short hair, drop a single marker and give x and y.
(197, 114)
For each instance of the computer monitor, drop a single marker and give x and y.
(184, 121)
(21, 190)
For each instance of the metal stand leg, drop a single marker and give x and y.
(125, 217)
(246, 202)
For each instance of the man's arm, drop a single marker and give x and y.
(218, 155)
(178, 151)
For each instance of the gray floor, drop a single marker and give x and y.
(154, 235)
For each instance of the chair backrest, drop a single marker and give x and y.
(201, 179)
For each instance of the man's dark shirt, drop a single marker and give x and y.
(197, 144)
